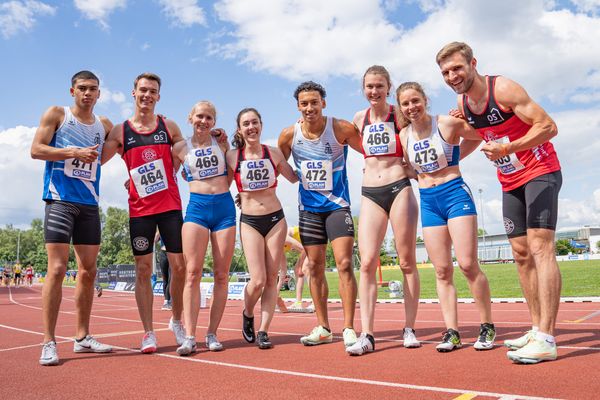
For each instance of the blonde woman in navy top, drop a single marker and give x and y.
(210, 216)
(432, 145)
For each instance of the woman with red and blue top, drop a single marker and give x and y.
(210, 216)
(432, 145)
(386, 196)
(262, 224)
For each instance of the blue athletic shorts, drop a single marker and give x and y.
(212, 211)
(449, 200)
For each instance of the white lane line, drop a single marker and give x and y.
(344, 379)
(295, 333)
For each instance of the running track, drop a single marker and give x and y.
(290, 370)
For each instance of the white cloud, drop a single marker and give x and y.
(21, 176)
(99, 10)
(591, 6)
(18, 16)
(109, 99)
(184, 12)
(555, 51)
(145, 46)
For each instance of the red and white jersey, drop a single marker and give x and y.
(381, 138)
(152, 181)
(494, 123)
(251, 175)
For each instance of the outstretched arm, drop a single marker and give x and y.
(347, 133)
(285, 141)
(113, 143)
(283, 166)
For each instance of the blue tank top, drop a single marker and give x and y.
(72, 180)
(321, 167)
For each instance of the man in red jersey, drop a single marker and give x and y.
(144, 141)
(517, 132)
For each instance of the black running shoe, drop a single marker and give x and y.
(263, 340)
(248, 328)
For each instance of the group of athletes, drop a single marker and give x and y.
(399, 142)
(15, 274)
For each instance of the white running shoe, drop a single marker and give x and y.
(167, 305)
(363, 345)
(318, 335)
(49, 355)
(149, 343)
(90, 345)
(178, 330)
(410, 339)
(349, 335)
(487, 335)
(521, 341)
(212, 343)
(533, 352)
(187, 347)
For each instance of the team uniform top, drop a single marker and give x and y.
(321, 168)
(204, 162)
(381, 138)
(432, 153)
(252, 175)
(73, 180)
(153, 185)
(494, 123)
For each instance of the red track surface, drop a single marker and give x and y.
(289, 370)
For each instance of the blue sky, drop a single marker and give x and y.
(239, 53)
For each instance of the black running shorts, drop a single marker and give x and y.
(317, 228)
(143, 229)
(533, 205)
(64, 221)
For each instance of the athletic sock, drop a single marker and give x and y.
(80, 340)
(545, 337)
(535, 328)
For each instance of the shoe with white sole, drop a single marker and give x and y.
(521, 341)
(318, 335)
(349, 335)
(149, 344)
(364, 344)
(178, 330)
(212, 343)
(450, 341)
(410, 339)
(49, 355)
(187, 347)
(487, 335)
(533, 352)
(90, 345)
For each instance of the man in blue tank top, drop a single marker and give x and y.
(70, 140)
(319, 147)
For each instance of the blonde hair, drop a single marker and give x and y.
(455, 47)
(406, 86)
(206, 103)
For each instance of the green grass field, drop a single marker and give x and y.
(580, 278)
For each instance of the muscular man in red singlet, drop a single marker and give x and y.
(517, 132)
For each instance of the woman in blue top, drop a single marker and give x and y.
(448, 215)
(210, 215)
